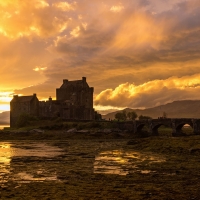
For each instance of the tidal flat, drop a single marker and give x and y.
(85, 166)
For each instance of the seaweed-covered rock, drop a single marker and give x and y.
(72, 130)
(132, 142)
(116, 130)
(194, 150)
(83, 131)
(106, 131)
(36, 131)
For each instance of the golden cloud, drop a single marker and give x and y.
(75, 32)
(41, 4)
(31, 18)
(117, 8)
(65, 6)
(138, 32)
(128, 94)
(40, 69)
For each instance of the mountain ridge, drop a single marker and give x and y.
(5, 118)
(175, 109)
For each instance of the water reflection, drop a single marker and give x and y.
(122, 163)
(24, 177)
(4, 126)
(17, 151)
(4, 162)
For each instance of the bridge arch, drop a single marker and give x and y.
(157, 123)
(182, 131)
(174, 126)
(155, 129)
(162, 129)
(142, 127)
(179, 123)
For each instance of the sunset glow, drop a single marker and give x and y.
(135, 54)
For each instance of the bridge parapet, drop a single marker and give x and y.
(126, 125)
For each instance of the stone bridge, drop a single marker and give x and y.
(152, 125)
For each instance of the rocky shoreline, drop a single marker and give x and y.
(38, 134)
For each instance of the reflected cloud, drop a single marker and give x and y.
(123, 163)
(24, 177)
(5, 158)
(10, 151)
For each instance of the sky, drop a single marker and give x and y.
(135, 53)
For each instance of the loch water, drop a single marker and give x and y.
(2, 126)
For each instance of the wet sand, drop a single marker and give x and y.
(88, 167)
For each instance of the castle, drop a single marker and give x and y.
(74, 101)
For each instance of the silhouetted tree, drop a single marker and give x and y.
(121, 116)
(132, 115)
(124, 116)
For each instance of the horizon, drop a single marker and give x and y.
(135, 54)
(156, 113)
(111, 109)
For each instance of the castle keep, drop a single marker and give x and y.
(74, 101)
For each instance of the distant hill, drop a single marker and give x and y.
(176, 109)
(5, 118)
(105, 112)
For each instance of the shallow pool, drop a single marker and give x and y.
(122, 163)
(13, 155)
